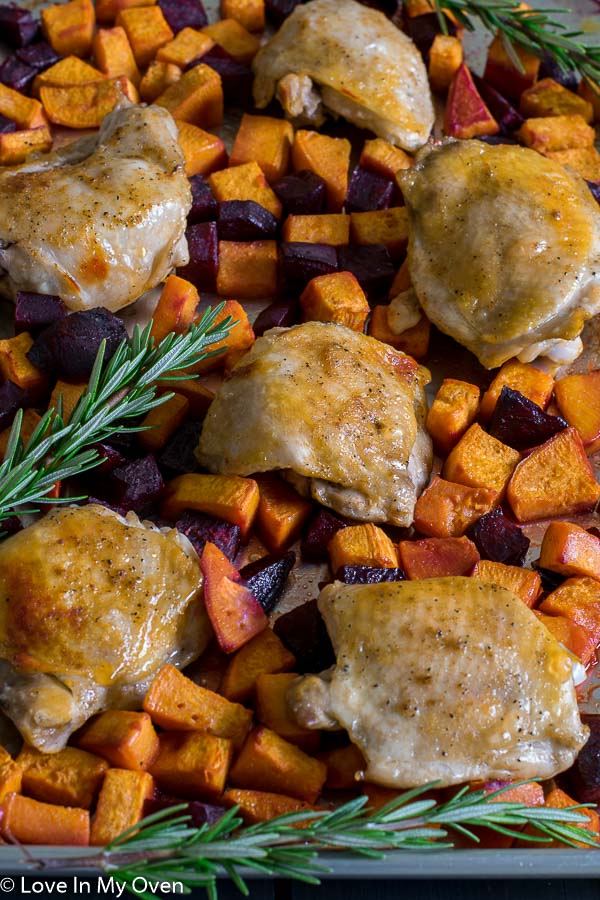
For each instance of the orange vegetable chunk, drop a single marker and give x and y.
(114, 55)
(335, 298)
(549, 98)
(570, 550)
(557, 799)
(413, 341)
(585, 90)
(245, 182)
(176, 308)
(381, 226)
(530, 794)
(85, 105)
(192, 764)
(186, 46)
(328, 157)
(266, 141)
(70, 393)
(452, 412)
(147, 31)
(107, 10)
(272, 710)
(157, 78)
(437, 557)
(15, 365)
(578, 400)
(361, 545)
(577, 599)
(264, 654)
(11, 775)
(529, 381)
(26, 112)
(204, 152)
(584, 160)
(67, 72)
(282, 512)
(249, 13)
(247, 269)
(198, 395)
(16, 146)
(235, 39)
(576, 638)
(501, 72)
(69, 27)
(466, 114)
(382, 157)
(127, 740)
(551, 133)
(445, 509)
(70, 777)
(445, 58)
(240, 338)
(480, 460)
(525, 583)
(162, 422)
(28, 425)
(196, 97)
(262, 806)
(31, 822)
(120, 804)
(343, 765)
(228, 497)
(323, 228)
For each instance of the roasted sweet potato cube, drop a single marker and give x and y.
(556, 479)
(437, 557)
(69, 27)
(158, 77)
(175, 703)
(245, 182)
(68, 71)
(261, 806)
(501, 72)
(176, 308)
(16, 367)
(228, 497)
(549, 133)
(549, 98)
(557, 799)
(445, 58)
(328, 228)
(198, 395)
(28, 426)
(267, 762)
(120, 804)
(127, 740)
(189, 44)
(240, 338)
(266, 141)
(577, 599)
(11, 775)
(16, 146)
(479, 460)
(335, 298)
(585, 90)
(362, 545)
(70, 394)
(282, 512)
(327, 157)
(382, 157)
(147, 31)
(452, 412)
(576, 638)
(192, 764)
(382, 226)
(70, 777)
(533, 383)
(197, 97)
(570, 550)
(584, 160)
(249, 13)
(344, 764)
(204, 152)
(578, 400)
(107, 10)
(85, 105)
(114, 55)
(264, 654)
(525, 583)
(272, 710)
(235, 39)
(26, 112)
(445, 509)
(31, 822)
(162, 422)
(247, 269)
(413, 341)
(466, 114)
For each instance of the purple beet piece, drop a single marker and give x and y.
(372, 267)
(7, 125)
(276, 315)
(550, 580)
(199, 813)
(203, 245)
(112, 457)
(584, 776)
(204, 205)
(69, 346)
(304, 633)
(507, 117)
(17, 25)
(319, 533)
(499, 539)
(12, 397)
(137, 484)
(16, 74)
(34, 312)
(10, 526)
(549, 68)
(267, 577)
(302, 261)
(245, 220)
(301, 194)
(278, 10)
(368, 191)
(424, 29)
(199, 528)
(236, 78)
(521, 423)
(40, 56)
(178, 457)
(368, 575)
(594, 187)
(495, 139)
(183, 14)
(101, 501)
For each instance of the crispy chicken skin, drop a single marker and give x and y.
(91, 606)
(366, 70)
(447, 679)
(101, 220)
(339, 412)
(504, 249)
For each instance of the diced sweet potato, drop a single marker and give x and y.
(437, 557)
(249, 13)
(69, 27)
(158, 77)
(15, 365)
(228, 497)
(445, 58)
(327, 157)
(114, 55)
(85, 105)
(585, 90)
(266, 141)
(70, 394)
(107, 10)
(28, 426)
(127, 740)
(584, 160)
(533, 383)
(452, 412)
(204, 152)
(388, 227)
(557, 799)
(343, 765)
(198, 395)
(16, 146)
(466, 114)
(576, 638)
(26, 112)
(282, 512)
(147, 31)
(240, 338)
(235, 39)
(197, 97)
(192, 764)
(362, 545)
(577, 599)
(269, 763)
(570, 550)
(261, 806)
(162, 422)
(175, 703)
(550, 133)
(335, 298)
(382, 157)
(525, 583)
(556, 479)
(247, 269)
(67, 72)
(264, 654)
(176, 308)
(578, 399)
(189, 44)
(120, 804)
(446, 509)
(70, 777)
(31, 822)
(501, 72)
(245, 182)
(549, 98)
(413, 341)
(11, 775)
(272, 710)
(332, 229)
(479, 460)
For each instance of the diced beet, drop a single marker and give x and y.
(302, 261)
(278, 10)
(40, 56)
(125, 442)
(368, 191)
(550, 580)
(267, 577)
(499, 539)
(178, 457)
(319, 533)
(17, 25)
(495, 139)
(593, 530)
(69, 346)
(508, 118)
(199, 528)
(424, 29)
(111, 456)
(549, 68)
(584, 776)
(16, 74)
(303, 632)
(137, 484)
(7, 125)
(183, 14)
(204, 205)
(10, 526)
(236, 78)
(203, 245)
(276, 315)
(388, 7)
(200, 813)
(101, 501)
(521, 423)
(12, 397)
(372, 267)
(368, 575)
(594, 187)
(301, 194)
(245, 220)
(34, 312)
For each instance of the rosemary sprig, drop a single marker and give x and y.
(118, 393)
(165, 848)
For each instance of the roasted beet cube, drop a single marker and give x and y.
(17, 25)
(68, 347)
(550, 68)
(178, 457)
(304, 633)
(584, 776)
(40, 56)
(319, 533)
(204, 205)
(267, 577)
(279, 10)
(112, 457)
(34, 312)
(200, 813)
(199, 528)
(276, 315)
(203, 245)
(183, 14)
(594, 187)
(495, 139)
(423, 30)
(16, 74)
(101, 501)
(7, 125)
(368, 575)
(372, 267)
(301, 261)
(550, 580)
(12, 397)
(499, 539)
(245, 220)
(10, 526)
(137, 484)
(236, 78)
(521, 423)
(301, 194)
(507, 117)
(368, 191)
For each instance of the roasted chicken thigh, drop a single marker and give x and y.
(446, 679)
(504, 249)
(339, 412)
(91, 606)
